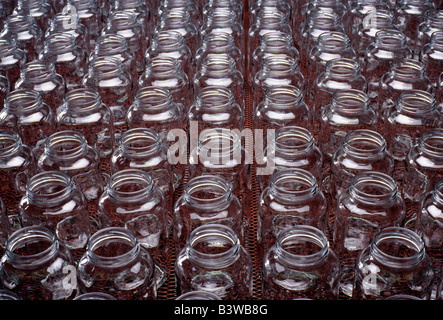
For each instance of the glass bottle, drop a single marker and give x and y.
(132, 200)
(431, 55)
(423, 164)
(371, 203)
(215, 261)
(389, 47)
(54, 201)
(27, 114)
(292, 198)
(206, 199)
(28, 266)
(107, 76)
(301, 265)
(69, 152)
(116, 264)
(215, 107)
(349, 110)
(40, 10)
(362, 150)
(395, 262)
(17, 165)
(166, 73)
(26, 32)
(294, 147)
(42, 77)
(69, 59)
(143, 149)
(220, 70)
(12, 60)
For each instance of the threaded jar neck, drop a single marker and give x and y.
(293, 185)
(291, 141)
(350, 102)
(343, 69)
(22, 101)
(416, 102)
(285, 97)
(392, 40)
(38, 71)
(49, 188)
(334, 41)
(215, 98)
(153, 98)
(409, 69)
(207, 192)
(140, 143)
(58, 43)
(373, 188)
(431, 143)
(82, 100)
(10, 143)
(130, 185)
(66, 145)
(364, 144)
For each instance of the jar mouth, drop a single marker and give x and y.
(163, 66)
(213, 246)
(214, 97)
(113, 247)
(62, 21)
(391, 39)
(437, 39)
(153, 97)
(416, 101)
(279, 65)
(7, 46)
(293, 140)
(350, 101)
(37, 71)
(10, 142)
(206, 191)
(366, 144)
(218, 42)
(138, 142)
(216, 144)
(293, 184)
(343, 68)
(82, 99)
(302, 246)
(431, 142)
(49, 187)
(218, 64)
(59, 42)
(66, 144)
(283, 97)
(31, 247)
(130, 185)
(20, 22)
(22, 100)
(398, 248)
(168, 40)
(373, 187)
(409, 69)
(106, 67)
(334, 41)
(111, 43)
(121, 20)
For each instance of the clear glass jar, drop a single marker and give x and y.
(12, 60)
(277, 71)
(17, 165)
(83, 111)
(431, 55)
(282, 106)
(69, 59)
(433, 22)
(300, 265)
(42, 77)
(409, 74)
(144, 149)
(220, 70)
(362, 150)
(116, 264)
(166, 73)
(292, 198)
(349, 110)
(395, 262)
(27, 114)
(215, 261)
(108, 77)
(371, 202)
(215, 107)
(206, 199)
(54, 201)
(28, 266)
(294, 147)
(423, 164)
(26, 32)
(389, 47)
(40, 10)
(69, 152)
(172, 44)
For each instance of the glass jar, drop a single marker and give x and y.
(116, 264)
(107, 76)
(28, 266)
(42, 77)
(282, 106)
(26, 32)
(431, 55)
(423, 164)
(83, 111)
(215, 107)
(292, 198)
(166, 73)
(371, 202)
(389, 47)
(395, 262)
(362, 150)
(220, 70)
(139, 7)
(206, 199)
(143, 149)
(132, 200)
(433, 22)
(54, 201)
(349, 110)
(277, 71)
(12, 60)
(215, 261)
(40, 10)
(300, 265)
(27, 114)
(294, 147)
(69, 152)
(17, 165)
(69, 59)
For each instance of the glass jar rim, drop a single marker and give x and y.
(375, 143)
(382, 188)
(207, 181)
(147, 141)
(127, 177)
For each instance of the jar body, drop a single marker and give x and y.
(313, 266)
